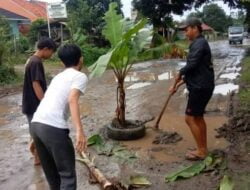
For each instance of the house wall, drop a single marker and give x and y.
(14, 27)
(14, 24)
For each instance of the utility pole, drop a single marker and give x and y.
(48, 21)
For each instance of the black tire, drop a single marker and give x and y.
(126, 133)
(230, 42)
(241, 42)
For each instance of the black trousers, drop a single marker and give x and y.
(56, 152)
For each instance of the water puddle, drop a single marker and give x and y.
(225, 89)
(166, 76)
(139, 85)
(140, 76)
(173, 122)
(142, 65)
(230, 76)
(233, 69)
(4, 110)
(182, 63)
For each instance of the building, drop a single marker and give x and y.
(31, 9)
(16, 21)
(20, 13)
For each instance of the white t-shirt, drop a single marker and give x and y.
(54, 107)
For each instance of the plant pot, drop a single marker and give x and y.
(132, 132)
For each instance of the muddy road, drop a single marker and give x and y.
(147, 88)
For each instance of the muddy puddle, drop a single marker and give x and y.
(4, 111)
(172, 122)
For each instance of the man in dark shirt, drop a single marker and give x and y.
(198, 74)
(35, 85)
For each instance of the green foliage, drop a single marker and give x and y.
(5, 30)
(5, 36)
(139, 181)
(110, 149)
(226, 183)
(34, 30)
(163, 49)
(211, 163)
(124, 51)
(23, 44)
(81, 14)
(113, 29)
(189, 171)
(245, 79)
(90, 52)
(7, 75)
(214, 16)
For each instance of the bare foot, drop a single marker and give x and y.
(196, 155)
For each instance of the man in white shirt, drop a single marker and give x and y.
(49, 127)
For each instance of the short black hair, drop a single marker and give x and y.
(70, 55)
(46, 43)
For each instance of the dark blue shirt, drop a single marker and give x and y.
(198, 72)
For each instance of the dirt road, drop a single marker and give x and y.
(147, 88)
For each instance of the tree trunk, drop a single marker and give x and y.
(120, 110)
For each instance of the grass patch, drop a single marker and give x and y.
(245, 77)
(244, 93)
(8, 76)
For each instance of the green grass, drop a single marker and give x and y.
(244, 93)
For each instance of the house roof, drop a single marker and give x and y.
(29, 9)
(205, 27)
(11, 16)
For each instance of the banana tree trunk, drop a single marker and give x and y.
(120, 110)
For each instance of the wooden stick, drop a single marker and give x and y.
(164, 107)
(162, 112)
(101, 179)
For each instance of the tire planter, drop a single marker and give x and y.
(131, 133)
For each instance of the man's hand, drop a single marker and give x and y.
(173, 89)
(178, 77)
(81, 142)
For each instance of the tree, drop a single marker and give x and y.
(34, 30)
(88, 16)
(214, 16)
(127, 41)
(245, 5)
(5, 36)
(157, 10)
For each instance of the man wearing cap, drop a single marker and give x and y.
(198, 74)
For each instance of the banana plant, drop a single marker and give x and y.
(169, 49)
(127, 41)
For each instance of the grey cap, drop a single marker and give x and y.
(191, 22)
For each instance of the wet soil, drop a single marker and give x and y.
(143, 101)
